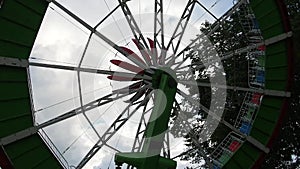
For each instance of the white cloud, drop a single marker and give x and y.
(61, 41)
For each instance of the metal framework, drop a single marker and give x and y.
(159, 25)
(159, 31)
(235, 88)
(246, 49)
(139, 137)
(221, 120)
(116, 125)
(151, 79)
(180, 29)
(193, 44)
(134, 28)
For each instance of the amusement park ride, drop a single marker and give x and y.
(152, 75)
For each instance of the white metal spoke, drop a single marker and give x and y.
(183, 153)
(225, 16)
(192, 134)
(233, 53)
(166, 145)
(200, 4)
(93, 30)
(256, 90)
(197, 103)
(180, 28)
(91, 70)
(91, 105)
(132, 23)
(116, 125)
(108, 15)
(159, 25)
(221, 120)
(193, 45)
(139, 139)
(134, 28)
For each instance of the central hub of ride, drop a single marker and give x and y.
(158, 72)
(165, 86)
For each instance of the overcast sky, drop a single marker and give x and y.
(62, 41)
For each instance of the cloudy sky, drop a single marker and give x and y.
(61, 40)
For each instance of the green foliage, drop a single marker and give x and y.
(228, 37)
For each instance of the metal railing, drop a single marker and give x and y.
(225, 150)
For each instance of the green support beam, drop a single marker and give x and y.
(149, 157)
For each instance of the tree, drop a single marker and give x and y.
(228, 37)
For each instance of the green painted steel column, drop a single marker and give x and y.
(149, 157)
(159, 119)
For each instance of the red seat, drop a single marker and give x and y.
(262, 48)
(256, 98)
(234, 146)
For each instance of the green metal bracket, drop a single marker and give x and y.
(149, 157)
